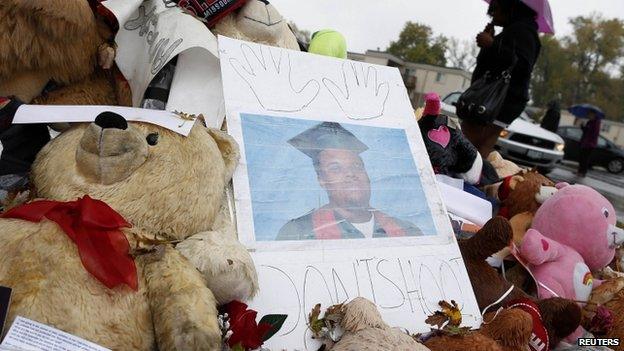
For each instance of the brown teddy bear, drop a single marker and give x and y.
(58, 41)
(559, 317)
(52, 52)
(140, 190)
(521, 195)
(510, 330)
(523, 192)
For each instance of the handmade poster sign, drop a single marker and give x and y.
(334, 193)
(151, 33)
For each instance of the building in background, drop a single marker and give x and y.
(419, 78)
(613, 131)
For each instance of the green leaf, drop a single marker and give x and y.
(275, 321)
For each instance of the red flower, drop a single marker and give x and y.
(245, 329)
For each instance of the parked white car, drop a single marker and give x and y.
(524, 141)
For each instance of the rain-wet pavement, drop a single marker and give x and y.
(609, 185)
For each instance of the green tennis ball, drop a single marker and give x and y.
(328, 42)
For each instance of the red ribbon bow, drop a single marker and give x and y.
(95, 229)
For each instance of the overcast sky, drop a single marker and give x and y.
(369, 24)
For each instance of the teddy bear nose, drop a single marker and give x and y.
(111, 120)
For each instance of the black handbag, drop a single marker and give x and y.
(483, 100)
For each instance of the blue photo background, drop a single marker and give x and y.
(284, 185)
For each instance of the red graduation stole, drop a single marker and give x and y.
(95, 229)
(539, 337)
(326, 227)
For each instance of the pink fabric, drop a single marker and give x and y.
(570, 238)
(440, 136)
(558, 270)
(552, 265)
(544, 18)
(575, 216)
(545, 21)
(432, 104)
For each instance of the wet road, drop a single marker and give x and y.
(609, 185)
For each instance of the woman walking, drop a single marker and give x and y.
(589, 141)
(517, 44)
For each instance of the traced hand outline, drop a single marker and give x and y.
(263, 72)
(362, 97)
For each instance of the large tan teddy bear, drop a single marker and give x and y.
(169, 188)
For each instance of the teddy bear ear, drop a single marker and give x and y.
(561, 185)
(545, 193)
(229, 151)
(515, 180)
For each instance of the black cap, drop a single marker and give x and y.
(327, 135)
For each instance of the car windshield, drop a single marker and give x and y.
(526, 117)
(451, 98)
(602, 143)
(573, 133)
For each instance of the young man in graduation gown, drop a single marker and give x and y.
(335, 153)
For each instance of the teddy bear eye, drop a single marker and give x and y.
(605, 212)
(152, 139)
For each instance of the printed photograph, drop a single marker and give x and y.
(312, 180)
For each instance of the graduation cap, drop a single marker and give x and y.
(327, 135)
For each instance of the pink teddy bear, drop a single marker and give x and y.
(578, 216)
(573, 233)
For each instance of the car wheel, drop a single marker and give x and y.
(544, 170)
(616, 165)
